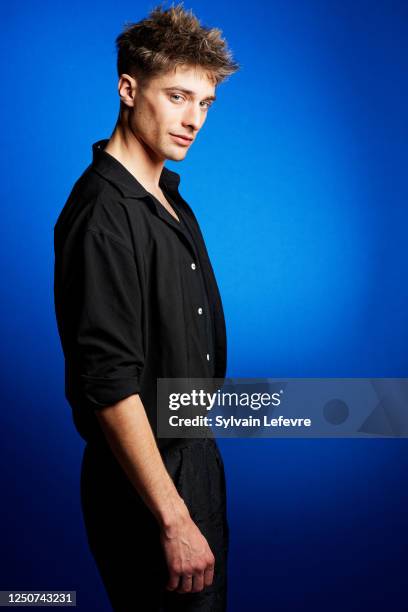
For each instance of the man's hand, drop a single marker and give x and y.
(189, 557)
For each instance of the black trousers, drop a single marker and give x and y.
(124, 536)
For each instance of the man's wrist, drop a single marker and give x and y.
(173, 514)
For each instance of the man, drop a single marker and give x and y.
(136, 300)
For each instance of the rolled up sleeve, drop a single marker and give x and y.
(109, 336)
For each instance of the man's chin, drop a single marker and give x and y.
(176, 155)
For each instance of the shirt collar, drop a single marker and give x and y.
(110, 168)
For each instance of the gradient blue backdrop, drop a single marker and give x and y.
(299, 181)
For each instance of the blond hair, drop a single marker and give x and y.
(168, 38)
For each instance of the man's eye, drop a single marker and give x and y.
(207, 103)
(176, 96)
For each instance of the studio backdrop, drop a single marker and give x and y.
(298, 179)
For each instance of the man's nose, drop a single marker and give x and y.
(192, 116)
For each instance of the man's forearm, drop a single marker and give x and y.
(130, 436)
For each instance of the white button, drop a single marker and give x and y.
(208, 357)
(200, 310)
(193, 266)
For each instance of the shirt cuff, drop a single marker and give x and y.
(101, 392)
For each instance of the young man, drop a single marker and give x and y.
(136, 299)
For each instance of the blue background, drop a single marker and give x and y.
(299, 181)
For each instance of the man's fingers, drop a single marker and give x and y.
(185, 583)
(173, 582)
(209, 575)
(198, 582)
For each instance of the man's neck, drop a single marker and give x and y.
(134, 156)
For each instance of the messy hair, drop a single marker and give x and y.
(168, 38)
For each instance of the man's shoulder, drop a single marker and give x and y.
(108, 209)
(96, 204)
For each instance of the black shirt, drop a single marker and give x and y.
(136, 298)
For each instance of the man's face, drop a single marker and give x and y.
(169, 111)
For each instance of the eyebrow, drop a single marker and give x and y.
(187, 91)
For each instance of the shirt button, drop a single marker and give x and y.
(208, 357)
(193, 266)
(200, 310)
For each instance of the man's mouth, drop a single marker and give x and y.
(182, 139)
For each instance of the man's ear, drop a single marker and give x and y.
(127, 89)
